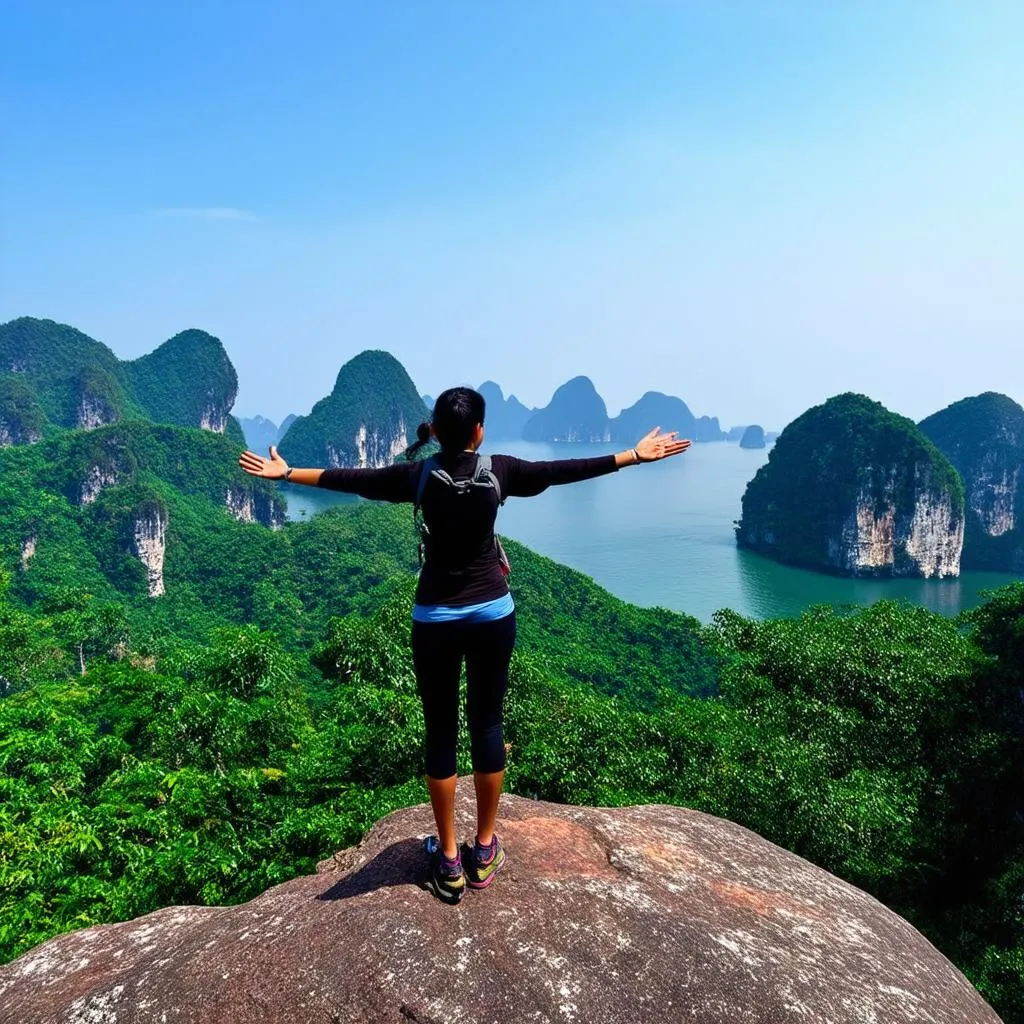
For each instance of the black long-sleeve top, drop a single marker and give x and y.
(461, 566)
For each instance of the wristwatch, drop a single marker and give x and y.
(288, 472)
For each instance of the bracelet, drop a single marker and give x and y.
(636, 455)
(287, 472)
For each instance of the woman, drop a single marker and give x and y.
(463, 608)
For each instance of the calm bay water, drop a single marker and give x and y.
(662, 534)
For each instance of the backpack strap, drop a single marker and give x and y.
(426, 468)
(485, 475)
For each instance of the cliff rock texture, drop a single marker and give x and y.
(252, 506)
(615, 916)
(984, 439)
(150, 544)
(851, 488)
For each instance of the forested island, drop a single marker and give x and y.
(852, 488)
(202, 739)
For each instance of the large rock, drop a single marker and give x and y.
(635, 914)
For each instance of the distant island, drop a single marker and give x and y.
(854, 489)
(753, 437)
(576, 413)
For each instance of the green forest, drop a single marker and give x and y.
(261, 714)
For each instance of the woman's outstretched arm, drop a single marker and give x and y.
(525, 479)
(275, 468)
(391, 483)
(652, 447)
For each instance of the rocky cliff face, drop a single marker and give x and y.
(248, 506)
(13, 431)
(851, 488)
(376, 448)
(93, 412)
(876, 538)
(97, 477)
(984, 439)
(624, 915)
(28, 549)
(150, 544)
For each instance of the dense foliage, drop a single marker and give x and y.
(262, 713)
(828, 460)
(68, 379)
(373, 399)
(983, 437)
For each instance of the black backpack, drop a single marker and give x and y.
(483, 476)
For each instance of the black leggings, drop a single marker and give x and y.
(437, 652)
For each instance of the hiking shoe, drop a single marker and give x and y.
(483, 862)
(446, 879)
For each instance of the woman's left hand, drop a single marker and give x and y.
(655, 445)
(273, 468)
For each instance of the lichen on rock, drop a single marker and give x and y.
(622, 915)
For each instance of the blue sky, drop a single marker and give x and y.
(751, 205)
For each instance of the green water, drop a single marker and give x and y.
(662, 534)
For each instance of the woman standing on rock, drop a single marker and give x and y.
(463, 608)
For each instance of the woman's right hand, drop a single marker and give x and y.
(655, 445)
(273, 468)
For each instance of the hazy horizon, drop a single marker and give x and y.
(752, 207)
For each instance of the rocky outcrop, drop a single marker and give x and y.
(376, 448)
(12, 432)
(366, 421)
(576, 413)
(93, 412)
(876, 539)
(984, 439)
(504, 418)
(249, 506)
(617, 916)
(28, 549)
(753, 437)
(150, 543)
(214, 418)
(708, 429)
(97, 477)
(653, 409)
(853, 489)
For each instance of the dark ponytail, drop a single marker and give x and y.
(422, 438)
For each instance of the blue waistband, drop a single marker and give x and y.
(486, 611)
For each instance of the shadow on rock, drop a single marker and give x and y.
(401, 863)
